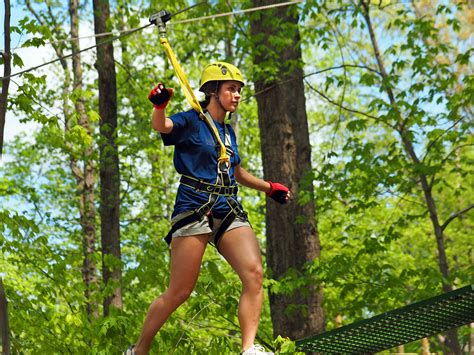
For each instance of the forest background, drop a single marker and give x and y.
(86, 199)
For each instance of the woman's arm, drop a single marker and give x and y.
(160, 122)
(243, 177)
(276, 191)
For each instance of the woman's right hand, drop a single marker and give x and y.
(160, 96)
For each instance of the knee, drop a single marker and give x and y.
(254, 278)
(179, 296)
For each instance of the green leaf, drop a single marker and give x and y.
(215, 273)
(368, 79)
(17, 61)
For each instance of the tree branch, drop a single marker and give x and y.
(311, 74)
(134, 81)
(454, 150)
(339, 105)
(342, 67)
(447, 157)
(456, 215)
(341, 102)
(377, 54)
(20, 87)
(430, 145)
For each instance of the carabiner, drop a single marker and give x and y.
(223, 166)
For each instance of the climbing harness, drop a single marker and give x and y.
(223, 185)
(203, 186)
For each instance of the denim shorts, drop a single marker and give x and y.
(203, 226)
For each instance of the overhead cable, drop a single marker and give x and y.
(237, 12)
(72, 39)
(210, 17)
(115, 33)
(76, 53)
(123, 33)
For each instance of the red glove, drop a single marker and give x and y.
(278, 192)
(160, 96)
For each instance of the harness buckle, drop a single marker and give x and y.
(223, 166)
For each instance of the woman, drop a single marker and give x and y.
(206, 209)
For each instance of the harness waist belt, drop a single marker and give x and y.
(207, 187)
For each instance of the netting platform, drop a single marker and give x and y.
(400, 326)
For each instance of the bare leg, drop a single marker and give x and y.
(186, 258)
(240, 248)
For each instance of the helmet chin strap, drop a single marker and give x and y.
(216, 94)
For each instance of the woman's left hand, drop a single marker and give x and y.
(279, 192)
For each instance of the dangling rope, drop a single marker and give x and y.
(160, 20)
(188, 92)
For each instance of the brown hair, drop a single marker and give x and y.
(209, 88)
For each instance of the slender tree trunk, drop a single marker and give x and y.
(425, 346)
(84, 177)
(109, 160)
(4, 327)
(451, 339)
(87, 198)
(431, 206)
(292, 236)
(471, 340)
(7, 69)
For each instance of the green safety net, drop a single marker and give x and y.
(400, 326)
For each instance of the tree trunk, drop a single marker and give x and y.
(109, 160)
(7, 69)
(4, 327)
(451, 339)
(84, 178)
(87, 207)
(471, 340)
(292, 236)
(425, 346)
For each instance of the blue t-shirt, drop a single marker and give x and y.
(195, 154)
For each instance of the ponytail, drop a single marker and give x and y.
(205, 102)
(209, 88)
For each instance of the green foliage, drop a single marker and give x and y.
(378, 242)
(285, 346)
(378, 247)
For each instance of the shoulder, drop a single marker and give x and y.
(186, 118)
(186, 115)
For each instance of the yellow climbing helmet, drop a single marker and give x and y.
(220, 71)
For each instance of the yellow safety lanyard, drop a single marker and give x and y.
(223, 157)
